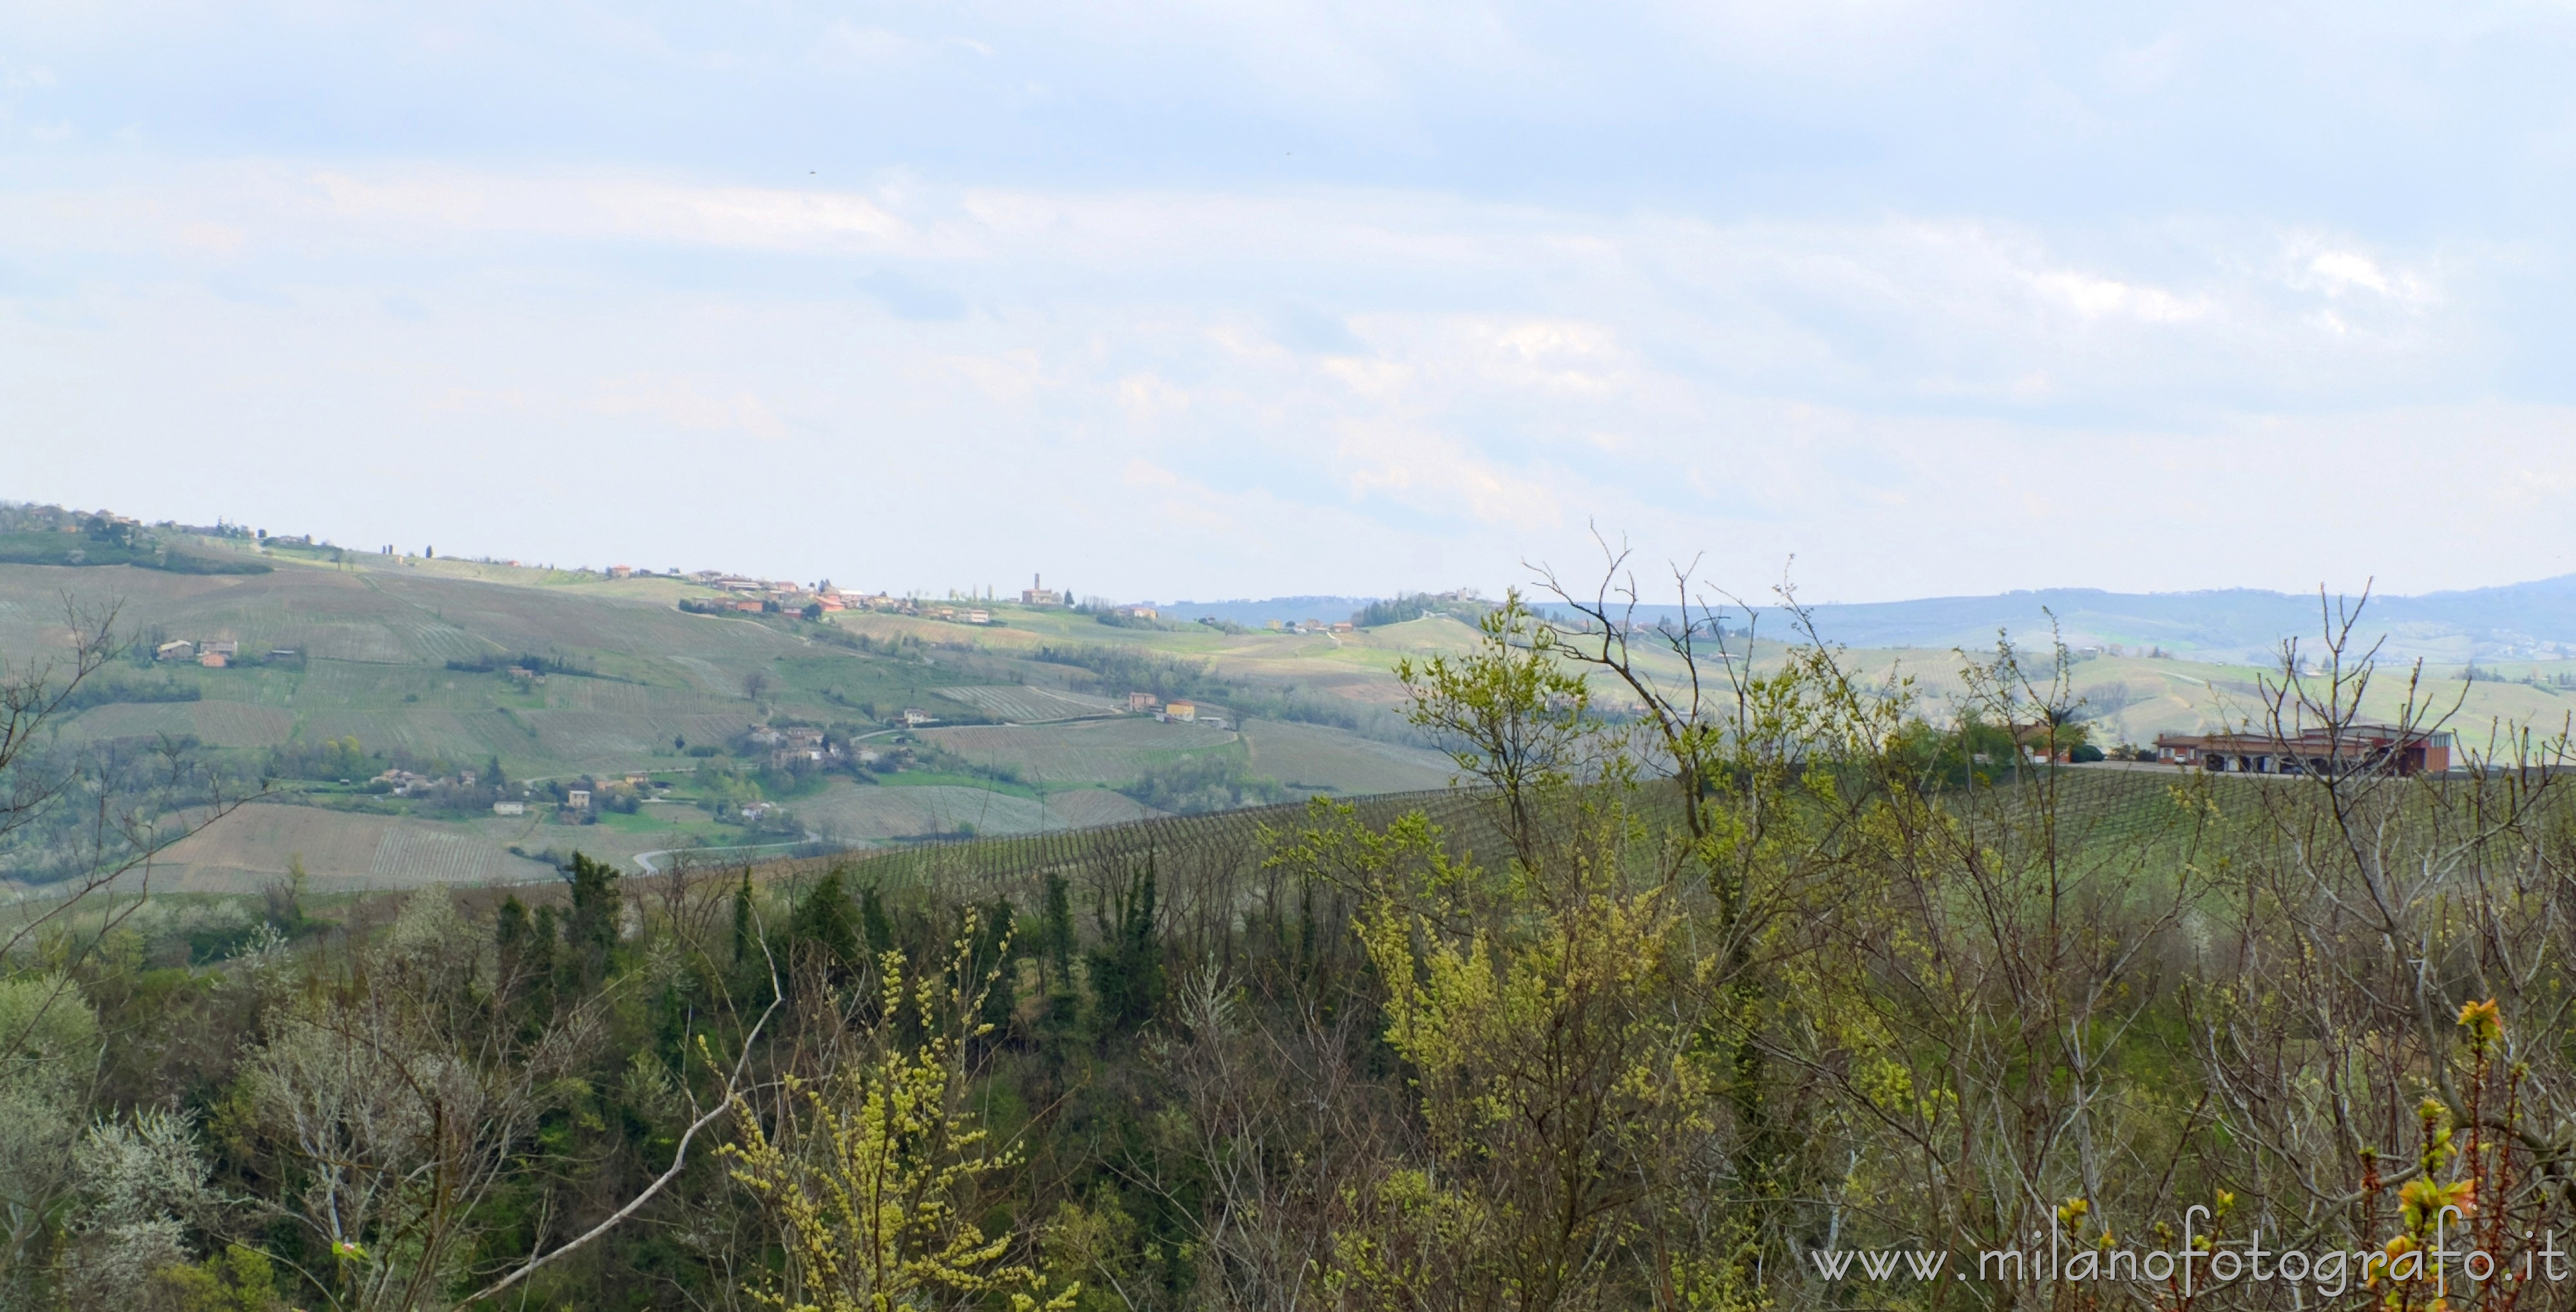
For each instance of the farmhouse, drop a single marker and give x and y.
(798, 744)
(2041, 743)
(2386, 748)
(177, 649)
(577, 799)
(1182, 711)
(213, 660)
(404, 781)
(1142, 701)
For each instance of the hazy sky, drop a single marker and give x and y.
(1200, 300)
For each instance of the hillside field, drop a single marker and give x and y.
(406, 657)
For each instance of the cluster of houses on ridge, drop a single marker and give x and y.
(405, 783)
(1172, 712)
(748, 595)
(212, 653)
(772, 596)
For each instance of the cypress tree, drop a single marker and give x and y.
(1055, 959)
(873, 920)
(743, 921)
(1054, 943)
(510, 929)
(821, 925)
(590, 930)
(1127, 972)
(537, 961)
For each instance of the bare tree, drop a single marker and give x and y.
(405, 1105)
(106, 825)
(112, 832)
(690, 904)
(2383, 904)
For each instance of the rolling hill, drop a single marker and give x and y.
(2519, 621)
(557, 679)
(411, 660)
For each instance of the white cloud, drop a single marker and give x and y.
(2095, 298)
(613, 208)
(1336, 387)
(1435, 473)
(2344, 269)
(1147, 398)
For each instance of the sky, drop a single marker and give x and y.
(1169, 299)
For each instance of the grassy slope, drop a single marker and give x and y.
(378, 632)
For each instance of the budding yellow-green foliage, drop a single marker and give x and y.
(1555, 1038)
(867, 1178)
(238, 1280)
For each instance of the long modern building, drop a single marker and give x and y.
(2387, 747)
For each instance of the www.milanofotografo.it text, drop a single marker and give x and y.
(2192, 1265)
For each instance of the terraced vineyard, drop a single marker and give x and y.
(637, 685)
(605, 739)
(1312, 758)
(855, 815)
(1112, 751)
(339, 850)
(1085, 808)
(1202, 859)
(2128, 810)
(2136, 814)
(220, 724)
(1026, 705)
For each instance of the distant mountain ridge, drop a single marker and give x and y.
(2514, 621)
(2517, 621)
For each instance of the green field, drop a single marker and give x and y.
(1028, 746)
(1031, 746)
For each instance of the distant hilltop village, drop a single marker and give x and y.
(54, 535)
(744, 594)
